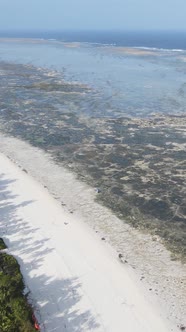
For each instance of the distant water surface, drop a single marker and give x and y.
(149, 39)
(133, 81)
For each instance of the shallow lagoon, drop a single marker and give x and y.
(114, 116)
(132, 82)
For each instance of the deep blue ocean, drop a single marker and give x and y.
(149, 39)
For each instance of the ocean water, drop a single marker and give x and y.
(111, 107)
(129, 82)
(148, 39)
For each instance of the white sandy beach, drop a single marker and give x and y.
(76, 281)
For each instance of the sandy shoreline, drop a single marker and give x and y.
(76, 283)
(59, 252)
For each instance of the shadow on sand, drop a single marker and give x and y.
(56, 308)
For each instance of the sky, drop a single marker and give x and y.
(93, 14)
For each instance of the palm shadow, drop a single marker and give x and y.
(55, 300)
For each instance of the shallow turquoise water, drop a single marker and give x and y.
(133, 84)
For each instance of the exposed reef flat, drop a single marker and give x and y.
(138, 164)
